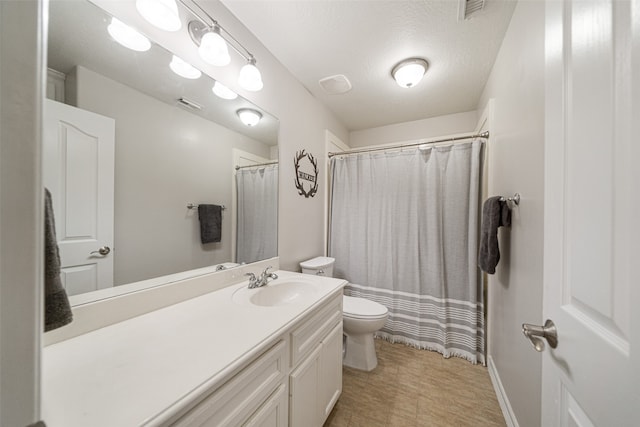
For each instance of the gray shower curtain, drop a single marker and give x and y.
(404, 233)
(257, 210)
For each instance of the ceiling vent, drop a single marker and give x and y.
(335, 85)
(468, 8)
(184, 102)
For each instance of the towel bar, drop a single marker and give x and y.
(194, 206)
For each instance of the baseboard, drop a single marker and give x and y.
(503, 399)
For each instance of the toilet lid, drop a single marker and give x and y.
(362, 307)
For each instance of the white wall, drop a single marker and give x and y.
(21, 211)
(419, 129)
(165, 157)
(303, 121)
(516, 164)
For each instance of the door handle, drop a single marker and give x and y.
(102, 251)
(535, 334)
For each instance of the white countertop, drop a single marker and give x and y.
(143, 370)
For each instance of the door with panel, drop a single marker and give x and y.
(78, 170)
(592, 232)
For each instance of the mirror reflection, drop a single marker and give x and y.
(141, 162)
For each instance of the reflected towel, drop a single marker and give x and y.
(210, 223)
(495, 213)
(57, 311)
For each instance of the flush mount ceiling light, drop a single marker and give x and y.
(223, 92)
(184, 69)
(213, 43)
(249, 116)
(409, 72)
(160, 13)
(127, 36)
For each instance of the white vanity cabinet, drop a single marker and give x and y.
(255, 396)
(315, 382)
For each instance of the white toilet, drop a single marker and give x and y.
(361, 318)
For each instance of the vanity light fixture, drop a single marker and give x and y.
(213, 43)
(223, 92)
(127, 36)
(409, 72)
(160, 13)
(213, 48)
(184, 69)
(250, 77)
(249, 116)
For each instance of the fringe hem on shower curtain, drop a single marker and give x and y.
(423, 345)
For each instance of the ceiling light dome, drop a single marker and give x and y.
(223, 92)
(249, 116)
(127, 36)
(250, 77)
(160, 13)
(184, 69)
(409, 72)
(213, 49)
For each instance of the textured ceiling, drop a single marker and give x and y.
(365, 39)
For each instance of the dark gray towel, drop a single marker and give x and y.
(210, 223)
(495, 213)
(57, 311)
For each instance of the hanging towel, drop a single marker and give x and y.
(210, 223)
(57, 311)
(495, 213)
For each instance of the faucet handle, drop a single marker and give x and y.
(266, 270)
(252, 277)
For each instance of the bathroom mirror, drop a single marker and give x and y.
(176, 144)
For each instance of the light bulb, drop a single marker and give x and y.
(409, 72)
(223, 92)
(250, 78)
(213, 49)
(161, 13)
(248, 116)
(184, 69)
(127, 36)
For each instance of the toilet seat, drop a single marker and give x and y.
(362, 308)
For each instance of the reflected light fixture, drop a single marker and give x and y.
(127, 36)
(184, 69)
(160, 13)
(409, 72)
(250, 77)
(249, 116)
(223, 92)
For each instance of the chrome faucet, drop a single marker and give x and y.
(263, 279)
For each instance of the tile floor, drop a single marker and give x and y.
(411, 388)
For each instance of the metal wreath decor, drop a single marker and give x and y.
(300, 155)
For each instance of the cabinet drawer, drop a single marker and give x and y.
(237, 399)
(307, 336)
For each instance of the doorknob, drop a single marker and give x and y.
(102, 251)
(535, 334)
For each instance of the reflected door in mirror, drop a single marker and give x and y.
(78, 170)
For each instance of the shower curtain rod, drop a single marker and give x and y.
(484, 134)
(257, 164)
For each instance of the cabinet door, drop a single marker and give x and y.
(330, 371)
(273, 412)
(303, 392)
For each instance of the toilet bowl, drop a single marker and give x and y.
(361, 318)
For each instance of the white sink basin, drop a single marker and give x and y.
(278, 292)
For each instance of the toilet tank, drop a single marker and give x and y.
(320, 266)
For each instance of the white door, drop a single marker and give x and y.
(78, 169)
(592, 213)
